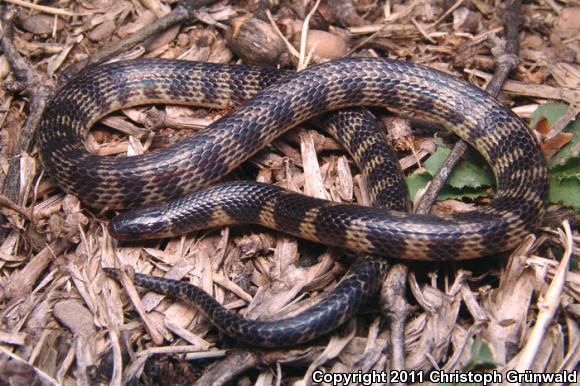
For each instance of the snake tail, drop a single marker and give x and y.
(362, 279)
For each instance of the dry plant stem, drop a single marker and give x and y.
(453, 362)
(185, 349)
(239, 361)
(547, 305)
(30, 80)
(448, 12)
(541, 91)
(289, 45)
(42, 8)
(156, 336)
(22, 281)
(439, 180)
(41, 374)
(304, 59)
(7, 203)
(563, 121)
(227, 370)
(183, 12)
(506, 62)
(387, 23)
(333, 349)
(393, 304)
(365, 41)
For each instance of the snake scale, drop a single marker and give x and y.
(268, 108)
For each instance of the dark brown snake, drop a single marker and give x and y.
(503, 139)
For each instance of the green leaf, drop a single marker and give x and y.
(565, 165)
(565, 191)
(481, 357)
(469, 180)
(570, 169)
(471, 172)
(552, 112)
(418, 180)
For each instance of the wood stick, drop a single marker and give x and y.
(506, 61)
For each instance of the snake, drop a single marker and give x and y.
(172, 190)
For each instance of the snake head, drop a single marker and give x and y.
(139, 225)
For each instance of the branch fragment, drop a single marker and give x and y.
(507, 60)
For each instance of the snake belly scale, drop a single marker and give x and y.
(503, 139)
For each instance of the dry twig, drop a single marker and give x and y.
(547, 305)
(43, 8)
(35, 86)
(183, 12)
(395, 306)
(506, 61)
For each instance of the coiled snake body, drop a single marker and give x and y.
(504, 140)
